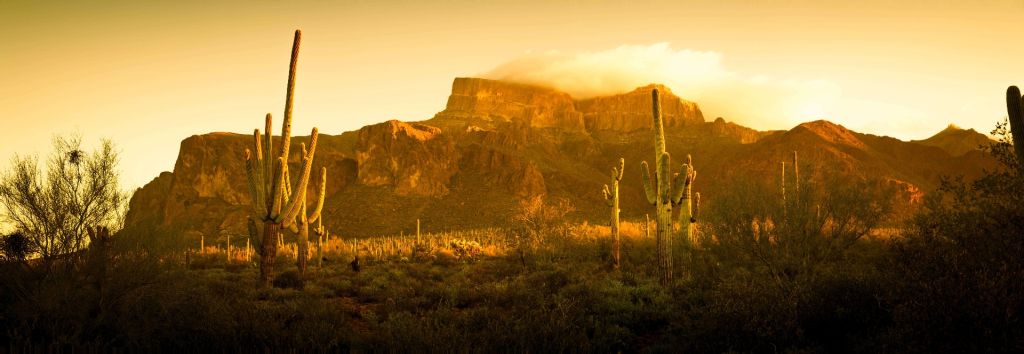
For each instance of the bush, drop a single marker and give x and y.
(289, 280)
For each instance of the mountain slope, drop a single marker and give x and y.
(496, 142)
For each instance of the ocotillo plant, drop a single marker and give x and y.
(269, 179)
(659, 191)
(611, 197)
(1015, 111)
(303, 222)
(683, 197)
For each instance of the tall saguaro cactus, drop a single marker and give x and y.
(611, 197)
(659, 191)
(269, 180)
(1015, 111)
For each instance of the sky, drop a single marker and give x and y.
(148, 74)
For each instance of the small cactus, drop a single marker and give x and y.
(611, 197)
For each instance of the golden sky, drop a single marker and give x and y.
(148, 74)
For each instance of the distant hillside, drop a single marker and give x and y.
(957, 141)
(497, 142)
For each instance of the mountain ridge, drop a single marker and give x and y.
(497, 142)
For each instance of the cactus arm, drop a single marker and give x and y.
(268, 163)
(258, 175)
(315, 217)
(664, 188)
(622, 167)
(1015, 113)
(679, 185)
(608, 196)
(251, 171)
(307, 165)
(645, 175)
(278, 189)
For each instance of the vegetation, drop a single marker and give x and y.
(51, 210)
(801, 266)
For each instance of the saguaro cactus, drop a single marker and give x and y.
(659, 191)
(269, 179)
(1015, 111)
(322, 236)
(611, 197)
(796, 176)
(683, 196)
(302, 225)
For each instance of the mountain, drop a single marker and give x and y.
(957, 141)
(497, 142)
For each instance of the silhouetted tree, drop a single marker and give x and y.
(54, 208)
(16, 247)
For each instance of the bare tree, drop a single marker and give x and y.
(77, 190)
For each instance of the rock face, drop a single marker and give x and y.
(520, 177)
(415, 159)
(632, 111)
(210, 167)
(496, 143)
(490, 101)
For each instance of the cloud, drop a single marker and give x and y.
(754, 100)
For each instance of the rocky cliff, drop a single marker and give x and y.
(496, 143)
(632, 111)
(487, 102)
(414, 159)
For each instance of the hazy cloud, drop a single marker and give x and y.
(757, 101)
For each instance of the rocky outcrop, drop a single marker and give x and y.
(721, 129)
(520, 177)
(489, 102)
(415, 159)
(632, 111)
(208, 166)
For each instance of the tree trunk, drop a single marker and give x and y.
(269, 252)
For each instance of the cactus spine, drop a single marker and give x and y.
(269, 179)
(611, 197)
(1015, 111)
(659, 191)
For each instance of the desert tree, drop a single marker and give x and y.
(54, 208)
